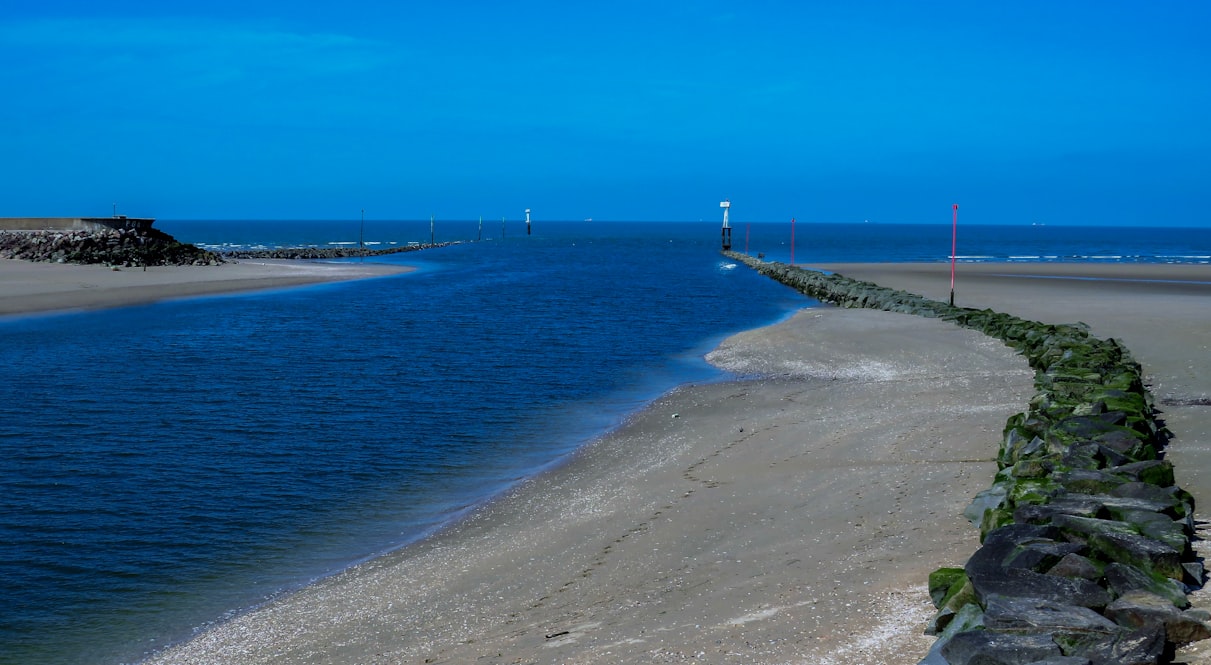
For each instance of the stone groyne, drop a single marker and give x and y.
(117, 223)
(1085, 555)
(109, 246)
(298, 253)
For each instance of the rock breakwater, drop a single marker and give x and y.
(1085, 555)
(299, 253)
(117, 247)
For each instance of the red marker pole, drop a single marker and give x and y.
(954, 234)
(792, 241)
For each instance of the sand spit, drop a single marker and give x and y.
(27, 287)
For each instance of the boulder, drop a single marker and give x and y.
(1140, 609)
(985, 647)
(1006, 614)
(1147, 554)
(1075, 565)
(1141, 647)
(1124, 580)
(943, 582)
(1029, 584)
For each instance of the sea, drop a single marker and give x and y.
(165, 467)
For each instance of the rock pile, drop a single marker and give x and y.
(325, 253)
(111, 247)
(1085, 555)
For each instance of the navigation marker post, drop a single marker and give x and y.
(954, 234)
(792, 241)
(527, 221)
(727, 230)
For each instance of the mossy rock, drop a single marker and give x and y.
(995, 518)
(1088, 481)
(1033, 489)
(1180, 502)
(994, 497)
(1156, 526)
(1148, 554)
(944, 583)
(1032, 468)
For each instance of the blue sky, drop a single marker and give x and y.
(1056, 112)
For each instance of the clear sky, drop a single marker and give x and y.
(1052, 111)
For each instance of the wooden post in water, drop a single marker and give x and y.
(954, 234)
(431, 236)
(480, 235)
(792, 241)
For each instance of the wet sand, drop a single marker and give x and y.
(27, 287)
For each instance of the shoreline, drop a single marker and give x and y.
(698, 528)
(28, 288)
(790, 518)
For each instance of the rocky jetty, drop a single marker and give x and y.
(299, 253)
(116, 247)
(1085, 555)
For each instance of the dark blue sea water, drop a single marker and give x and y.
(164, 466)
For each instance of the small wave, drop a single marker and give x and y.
(727, 266)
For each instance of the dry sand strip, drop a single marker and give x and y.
(27, 287)
(787, 519)
(1162, 313)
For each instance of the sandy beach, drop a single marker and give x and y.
(27, 287)
(790, 517)
(793, 518)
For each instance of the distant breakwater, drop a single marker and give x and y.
(301, 253)
(152, 247)
(116, 247)
(1085, 555)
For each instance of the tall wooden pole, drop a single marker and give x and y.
(954, 234)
